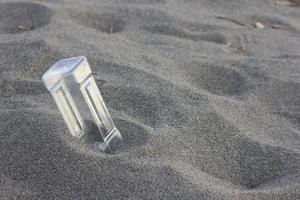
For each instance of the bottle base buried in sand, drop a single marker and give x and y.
(112, 143)
(79, 100)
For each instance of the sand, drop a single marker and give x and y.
(208, 104)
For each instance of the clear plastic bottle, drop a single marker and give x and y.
(78, 98)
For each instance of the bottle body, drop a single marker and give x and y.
(79, 100)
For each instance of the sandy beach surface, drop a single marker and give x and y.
(205, 92)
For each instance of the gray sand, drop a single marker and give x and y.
(209, 108)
